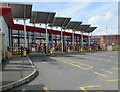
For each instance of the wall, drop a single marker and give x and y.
(111, 40)
(5, 38)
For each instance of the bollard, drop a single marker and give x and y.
(90, 49)
(81, 49)
(51, 51)
(68, 50)
(24, 52)
(96, 48)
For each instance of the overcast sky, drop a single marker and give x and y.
(101, 14)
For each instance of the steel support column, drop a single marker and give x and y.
(25, 43)
(46, 39)
(88, 39)
(61, 40)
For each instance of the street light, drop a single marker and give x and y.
(107, 37)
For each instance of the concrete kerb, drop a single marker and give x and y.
(26, 79)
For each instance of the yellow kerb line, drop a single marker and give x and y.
(101, 74)
(83, 88)
(45, 89)
(106, 71)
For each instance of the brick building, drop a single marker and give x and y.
(104, 40)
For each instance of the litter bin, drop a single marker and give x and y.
(24, 52)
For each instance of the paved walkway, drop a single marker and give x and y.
(16, 69)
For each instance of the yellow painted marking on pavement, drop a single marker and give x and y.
(104, 55)
(100, 59)
(45, 89)
(94, 54)
(101, 74)
(115, 68)
(71, 63)
(23, 90)
(112, 80)
(83, 88)
(108, 60)
(82, 64)
(106, 71)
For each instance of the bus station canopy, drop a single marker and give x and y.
(90, 29)
(21, 10)
(82, 28)
(73, 25)
(42, 17)
(60, 22)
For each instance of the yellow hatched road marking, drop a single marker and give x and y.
(112, 80)
(79, 63)
(83, 88)
(101, 74)
(45, 89)
(71, 63)
(106, 71)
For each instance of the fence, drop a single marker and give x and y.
(15, 49)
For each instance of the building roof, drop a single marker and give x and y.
(7, 14)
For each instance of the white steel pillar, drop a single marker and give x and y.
(73, 38)
(61, 40)
(25, 40)
(82, 39)
(46, 39)
(88, 39)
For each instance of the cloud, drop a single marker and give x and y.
(72, 9)
(105, 18)
(108, 20)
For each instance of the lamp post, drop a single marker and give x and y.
(107, 37)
